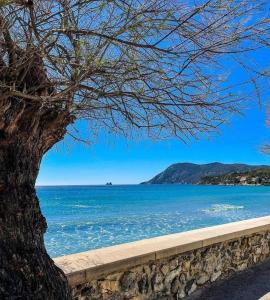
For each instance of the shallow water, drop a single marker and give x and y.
(81, 218)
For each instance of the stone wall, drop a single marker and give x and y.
(178, 276)
(168, 267)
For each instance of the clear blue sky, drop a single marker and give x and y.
(121, 161)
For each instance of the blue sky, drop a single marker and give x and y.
(132, 161)
(122, 161)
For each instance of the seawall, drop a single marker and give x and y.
(167, 267)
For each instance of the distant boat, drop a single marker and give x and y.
(108, 183)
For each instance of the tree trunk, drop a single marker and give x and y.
(27, 131)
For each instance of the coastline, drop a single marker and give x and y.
(91, 217)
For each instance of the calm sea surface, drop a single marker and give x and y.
(81, 218)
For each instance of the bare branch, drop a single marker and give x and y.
(162, 66)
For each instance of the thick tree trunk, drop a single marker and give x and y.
(27, 131)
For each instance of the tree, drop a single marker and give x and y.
(120, 64)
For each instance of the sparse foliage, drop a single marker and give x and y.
(157, 65)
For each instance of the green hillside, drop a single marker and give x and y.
(254, 177)
(189, 173)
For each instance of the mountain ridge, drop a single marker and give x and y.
(191, 173)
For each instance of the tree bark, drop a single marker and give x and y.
(27, 131)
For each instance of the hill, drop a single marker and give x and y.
(189, 173)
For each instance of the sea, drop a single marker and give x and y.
(81, 218)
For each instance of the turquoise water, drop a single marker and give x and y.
(81, 218)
